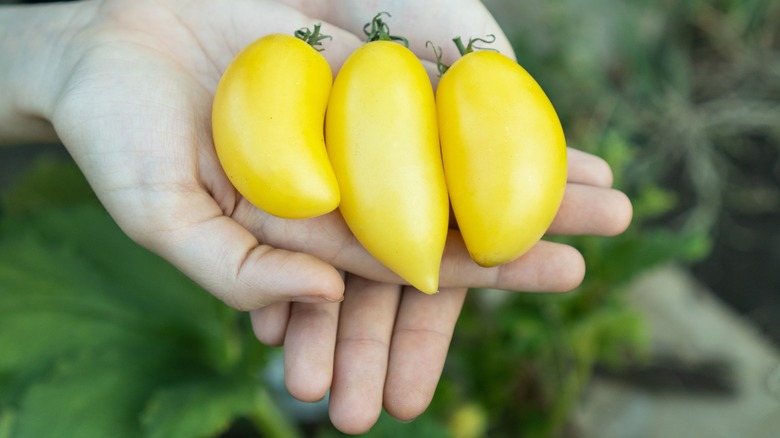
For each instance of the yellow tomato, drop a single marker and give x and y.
(504, 155)
(267, 122)
(383, 144)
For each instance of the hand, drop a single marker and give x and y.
(130, 94)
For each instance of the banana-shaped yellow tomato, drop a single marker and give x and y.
(383, 144)
(504, 155)
(267, 119)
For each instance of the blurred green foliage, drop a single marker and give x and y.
(101, 338)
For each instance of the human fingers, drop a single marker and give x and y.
(592, 210)
(309, 345)
(225, 30)
(247, 20)
(546, 267)
(362, 346)
(437, 21)
(421, 339)
(269, 323)
(589, 169)
(589, 206)
(222, 256)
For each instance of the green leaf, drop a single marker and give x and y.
(53, 301)
(652, 201)
(51, 182)
(198, 408)
(114, 273)
(88, 396)
(6, 422)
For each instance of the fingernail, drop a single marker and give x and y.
(316, 299)
(406, 421)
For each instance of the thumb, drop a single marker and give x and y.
(228, 261)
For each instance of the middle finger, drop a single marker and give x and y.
(362, 347)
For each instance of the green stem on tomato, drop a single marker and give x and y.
(440, 66)
(462, 49)
(312, 37)
(470, 47)
(378, 30)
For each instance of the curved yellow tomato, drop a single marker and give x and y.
(267, 122)
(382, 140)
(504, 155)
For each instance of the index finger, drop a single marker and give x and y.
(437, 21)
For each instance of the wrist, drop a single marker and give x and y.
(33, 42)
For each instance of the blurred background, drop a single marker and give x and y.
(675, 331)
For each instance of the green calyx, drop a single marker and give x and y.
(463, 49)
(378, 30)
(440, 66)
(470, 47)
(312, 37)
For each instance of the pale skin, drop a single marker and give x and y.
(127, 87)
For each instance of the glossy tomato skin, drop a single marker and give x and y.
(504, 155)
(267, 121)
(382, 139)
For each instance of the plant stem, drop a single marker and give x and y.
(270, 420)
(380, 31)
(312, 37)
